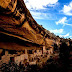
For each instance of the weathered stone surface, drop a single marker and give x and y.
(17, 22)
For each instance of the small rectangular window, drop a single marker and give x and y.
(3, 53)
(0, 57)
(30, 52)
(35, 51)
(24, 51)
(12, 52)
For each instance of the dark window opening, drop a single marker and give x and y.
(12, 59)
(24, 52)
(30, 52)
(12, 52)
(35, 51)
(3, 53)
(0, 57)
(47, 48)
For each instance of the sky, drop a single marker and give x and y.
(53, 15)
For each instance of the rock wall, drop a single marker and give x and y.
(17, 25)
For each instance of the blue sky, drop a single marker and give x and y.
(53, 15)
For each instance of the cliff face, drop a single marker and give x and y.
(17, 25)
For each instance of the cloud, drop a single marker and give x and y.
(37, 8)
(67, 35)
(39, 4)
(37, 15)
(63, 22)
(67, 9)
(41, 15)
(70, 36)
(57, 31)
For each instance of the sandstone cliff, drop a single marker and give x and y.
(18, 29)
